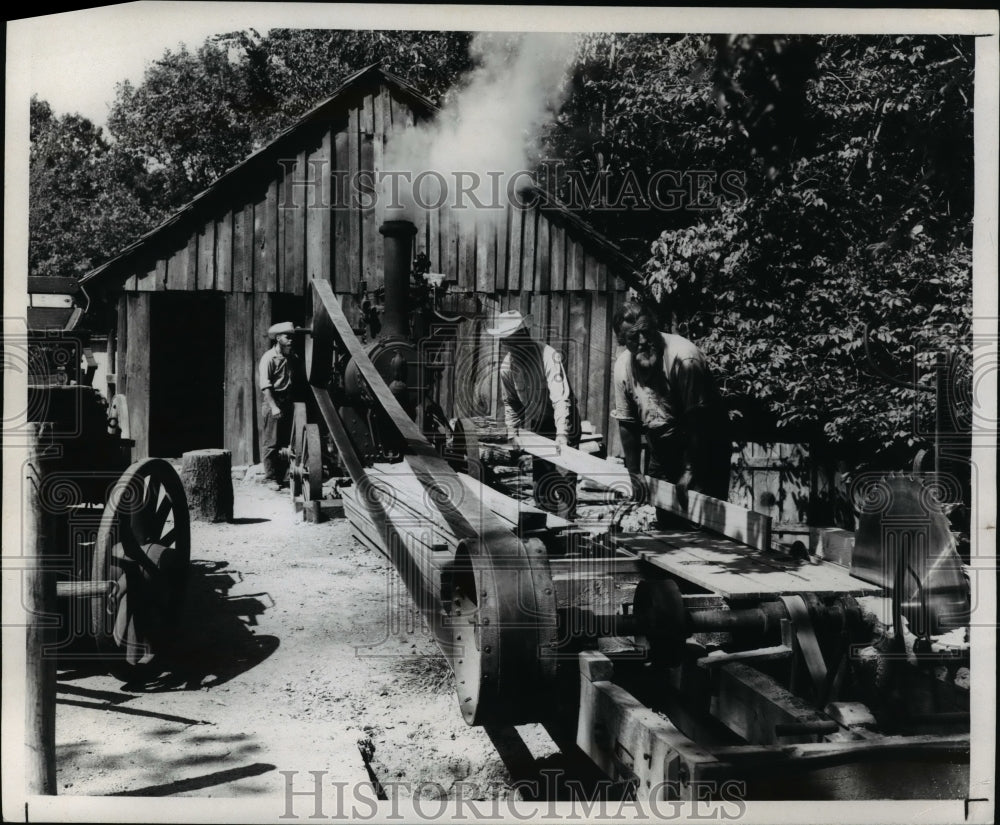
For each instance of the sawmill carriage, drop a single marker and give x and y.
(718, 654)
(117, 533)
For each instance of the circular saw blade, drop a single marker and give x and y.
(904, 544)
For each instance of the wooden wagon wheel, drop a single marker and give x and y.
(312, 463)
(144, 547)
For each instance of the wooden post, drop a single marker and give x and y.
(40, 588)
(207, 476)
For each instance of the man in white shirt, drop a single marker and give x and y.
(537, 397)
(278, 375)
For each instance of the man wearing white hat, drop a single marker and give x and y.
(278, 375)
(537, 396)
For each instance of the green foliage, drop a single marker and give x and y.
(186, 123)
(85, 195)
(304, 66)
(638, 104)
(864, 222)
(194, 116)
(852, 209)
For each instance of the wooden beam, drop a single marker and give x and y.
(516, 238)
(224, 253)
(272, 239)
(353, 208)
(628, 741)
(342, 265)
(52, 285)
(137, 369)
(543, 260)
(525, 516)
(205, 278)
(239, 389)
(39, 585)
(738, 523)
(528, 246)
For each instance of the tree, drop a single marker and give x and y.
(186, 122)
(85, 197)
(857, 217)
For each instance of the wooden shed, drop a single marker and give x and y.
(196, 295)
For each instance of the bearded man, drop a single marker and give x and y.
(664, 390)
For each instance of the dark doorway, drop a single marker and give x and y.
(186, 365)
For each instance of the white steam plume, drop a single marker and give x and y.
(490, 126)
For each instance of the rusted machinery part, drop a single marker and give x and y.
(505, 659)
(904, 544)
(493, 608)
(143, 546)
(661, 620)
(662, 623)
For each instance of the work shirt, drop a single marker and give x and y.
(536, 392)
(683, 386)
(278, 373)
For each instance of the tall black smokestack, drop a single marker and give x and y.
(397, 261)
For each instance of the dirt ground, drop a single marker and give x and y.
(294, 644)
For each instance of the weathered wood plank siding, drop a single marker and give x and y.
(297, 214)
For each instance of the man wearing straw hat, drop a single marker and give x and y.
(279, 376)
(537, 396)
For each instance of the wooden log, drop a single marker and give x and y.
(745, 526)
(40, 588)
(207, 476)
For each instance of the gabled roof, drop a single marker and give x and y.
(371, 76)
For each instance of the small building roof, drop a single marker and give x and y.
(371, 76)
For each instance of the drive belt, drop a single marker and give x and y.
(808, 644)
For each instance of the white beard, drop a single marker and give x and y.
(647, 360)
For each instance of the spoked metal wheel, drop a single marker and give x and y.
(143, 547)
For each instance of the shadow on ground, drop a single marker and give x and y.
(211, 640)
